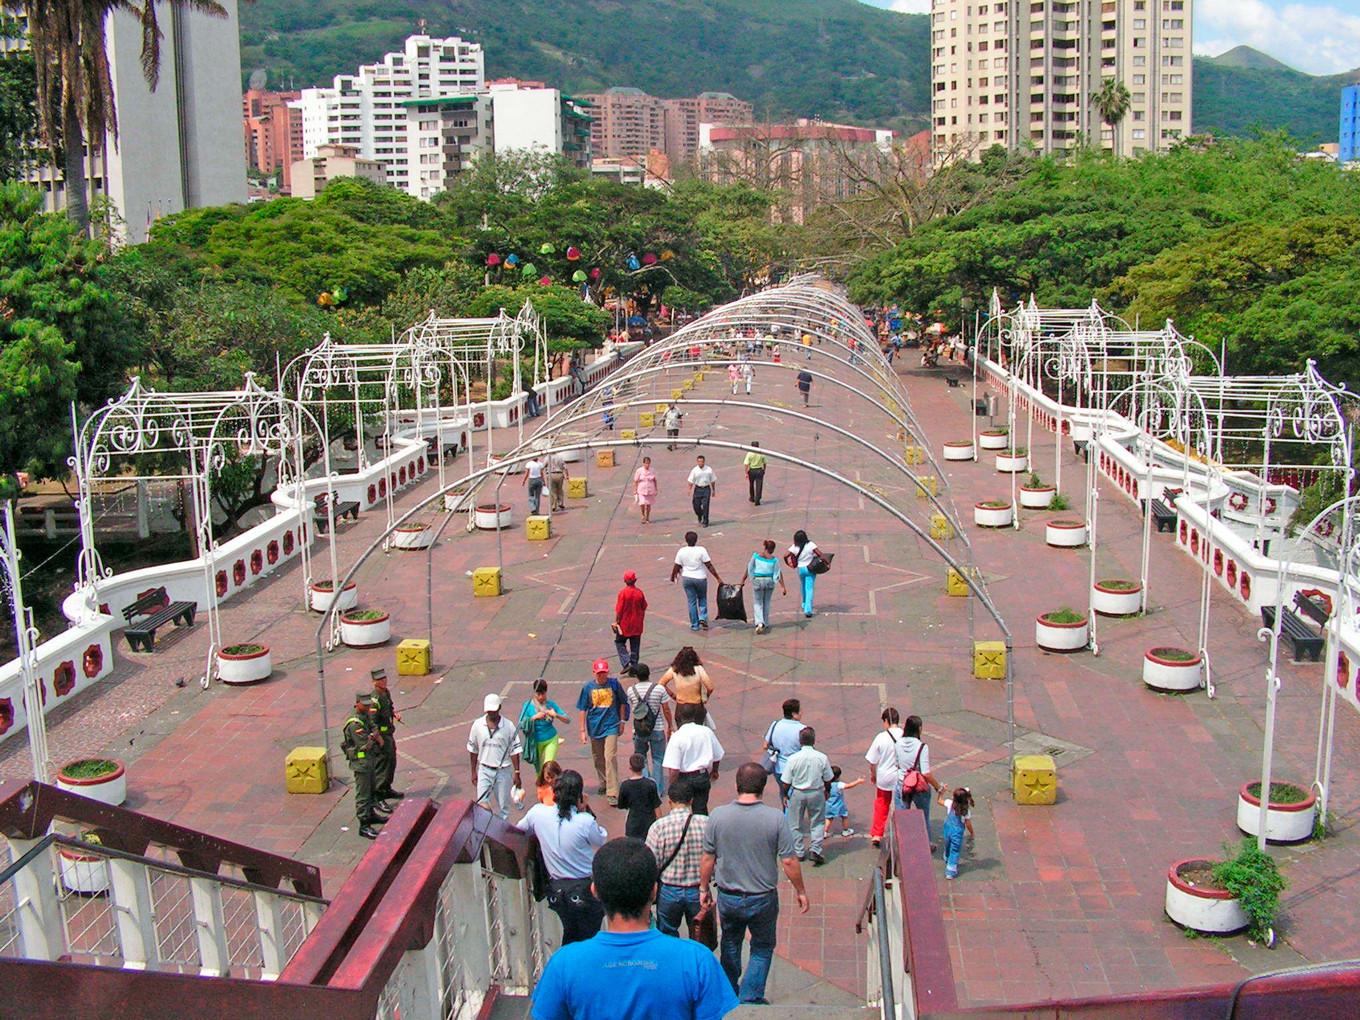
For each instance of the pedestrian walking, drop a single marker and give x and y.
(630, 611)
(360, 746)
(630, 971)
(754, 466)
(650, 706)
(538, 726)
(806, 775)
(604, 708)
(734, 376)
(782, 743)
(805, 383)
(692, 566)
(693, 754)
(568, 835)
(764, 572)
(688, 682)
(745, 844)
(385, 719)
(957, 819)
(494, 747)
(703, 488)
(677, 840)
(802, 555)
(913, 762)
(835, 802)
(556, 470)
(645, 489)
(883, 773)
(671, 422)
(533, 477)
(748, 375)
(639, 797)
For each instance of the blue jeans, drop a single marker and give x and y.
(628, 649)
(737, 913)
(920, 801)
(535, 494)
(696, 594)
(952, 844)
(656, 743)
(675, 904)
(809, 580)
(762, 588)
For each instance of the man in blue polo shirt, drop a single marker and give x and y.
(630, 971)
(604, 709)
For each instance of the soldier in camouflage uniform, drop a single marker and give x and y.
(385, 718)
(361, 746)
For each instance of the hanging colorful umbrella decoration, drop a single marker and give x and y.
(649, 259)
(579, 276)
(546, 248)
(595, 272)
(493, 259)
(545, 281)
(667, 255)
(573, 253)
(512, 260)
(633, 264)
(340, 294)
(529, 269)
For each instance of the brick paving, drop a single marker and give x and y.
(1052, 902)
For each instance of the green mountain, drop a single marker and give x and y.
(1245, 56)
(1244, 89)
(836, 59)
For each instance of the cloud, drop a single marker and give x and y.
(910, 6)
(1317, 38)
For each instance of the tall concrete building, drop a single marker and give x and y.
(628, 124)
(1024, 73)
(365, 110)
(682, 118)
(273, 135)
(1348, 148)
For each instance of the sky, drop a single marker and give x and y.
(1316, 36)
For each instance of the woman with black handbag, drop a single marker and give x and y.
(568, 836)
(809, 561)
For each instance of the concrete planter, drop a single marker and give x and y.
(962, 450)
(413, 536)
(993, 516)
(247, 667)
(572, 456)
(1208, 910)
(457, 500)
(1172, 674)
(83, 873)
(1111, 601)
(994, 440)
(109, 788)
(1037, 498)
(1061, 637)
(505, 469)
(1010, 463)
(490, 517)
(1285, 823)
(1065, 534)
(358, 633)
(323, 597)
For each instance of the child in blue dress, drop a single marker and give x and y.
(957, 818)
(835, 801)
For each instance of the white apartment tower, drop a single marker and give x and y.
(366, 111)
(1024, 73)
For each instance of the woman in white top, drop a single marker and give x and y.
(692, 566)
(882, 759)
(801, 555)
(533, 476)
(568, 836)
(914, 753)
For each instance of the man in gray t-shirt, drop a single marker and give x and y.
(745, 842)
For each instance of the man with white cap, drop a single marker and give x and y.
(604, 709)
(494, 747)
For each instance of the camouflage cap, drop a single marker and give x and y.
(364, 697)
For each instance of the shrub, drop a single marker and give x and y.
(1254, 878)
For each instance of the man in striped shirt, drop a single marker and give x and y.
(677, 840)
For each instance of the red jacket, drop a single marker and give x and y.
(629, 610)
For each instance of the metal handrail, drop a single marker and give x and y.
(884, 950)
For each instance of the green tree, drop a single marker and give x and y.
(1112, 101)
(18, 106)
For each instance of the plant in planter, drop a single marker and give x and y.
(244, 664)
(1035, 495)
(1117, 596)
(993, 513)
(1060, 502)
(1012, 461)
(412, 536)
(365, 628)
(1290, 815)
(1254, 879)
(1168, 668)
(1065, 534)
(1199, 902)
(101, 779)
(323, 593)
(84, 873)
(994, 439)
(1062, 630)
(961, 449)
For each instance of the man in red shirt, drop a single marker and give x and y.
(629, 611)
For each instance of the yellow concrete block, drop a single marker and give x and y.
(486, 582)
(626, 434)
(537, 529)
(1034, 779)
(661, 408)
(687, 385)
(989, 660)
(604, 458)
(647, 420)
(577, 488)
(955, 584)
(927, 485)
(940, 528)
(305, 770)
(413, 657)
(698, 377)
(913, 455)
(676, 395)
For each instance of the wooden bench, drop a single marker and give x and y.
(1313, 608)
(1163, 515)
(153, 610)
(1305, 640)
(343, 508)
(952, 380)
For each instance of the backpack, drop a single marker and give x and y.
(644, 719)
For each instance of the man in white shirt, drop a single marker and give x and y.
(494, 747)
(884, 773)
(692, 566)
(671, 422)
(533, 476)
(703, 486)
(806, 775)
(694, 753)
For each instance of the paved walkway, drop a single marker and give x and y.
(1052, 902)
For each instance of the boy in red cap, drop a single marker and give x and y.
(604, 709)
(630, 608)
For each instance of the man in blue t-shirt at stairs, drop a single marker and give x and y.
(630, 971)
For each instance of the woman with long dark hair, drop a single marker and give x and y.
(801, 556)
(687, 681)
(568, 836)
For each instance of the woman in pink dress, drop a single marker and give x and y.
(644, 488)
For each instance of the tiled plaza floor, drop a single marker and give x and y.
(1052, 902)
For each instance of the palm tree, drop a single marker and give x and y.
(1112, 103)
(76, 106)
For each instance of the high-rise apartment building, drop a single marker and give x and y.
(1348, 147)
(273, 132)
(365, 110)
(628, 123)
(682, 118)
(1025, 73)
